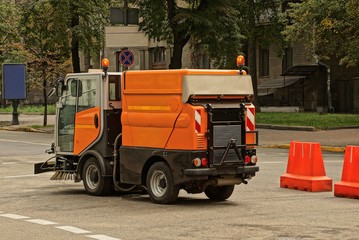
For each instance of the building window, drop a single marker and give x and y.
(159, 54)
(287, 60)
(158, 60)
(263, 62)
(201, 61)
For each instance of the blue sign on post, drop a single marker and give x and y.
(126, 58)
(14, 86)
(14, 81)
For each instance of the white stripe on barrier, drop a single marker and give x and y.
(198, 119)
(250, 119)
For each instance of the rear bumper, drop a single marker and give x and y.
(246, 170)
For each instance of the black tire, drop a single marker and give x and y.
(160, 184)
(219, 193)
(94, 182)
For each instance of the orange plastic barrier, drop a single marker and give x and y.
(305, 169)
(349, 184)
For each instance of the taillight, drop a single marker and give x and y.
(204, 162)
(197, 162)
(254, 159)
(250, 159)
(247, 159)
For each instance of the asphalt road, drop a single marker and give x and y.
(33, 207)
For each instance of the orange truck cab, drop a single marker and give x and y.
(157, 130)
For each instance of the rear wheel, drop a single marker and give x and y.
(94, 182)
(160, 184)
(219, 193)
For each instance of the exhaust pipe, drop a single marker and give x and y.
(228, 181)
(223, 182)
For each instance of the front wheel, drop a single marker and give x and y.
(94, 183)
(160, 184)
(219, 193)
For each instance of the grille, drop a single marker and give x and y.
(221, 137)
(223, 133)
(201, 141)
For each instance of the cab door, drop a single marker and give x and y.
(79, 113)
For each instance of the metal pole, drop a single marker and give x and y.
(117, 54)
(329, 93)
(15, 114)
(126, 13)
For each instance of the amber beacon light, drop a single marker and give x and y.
(240, 61)
(105, 63)
(240, 64)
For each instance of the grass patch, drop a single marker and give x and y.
(30, 109)
(319, 121)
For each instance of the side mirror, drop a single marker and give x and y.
(60, 87)
(76, 88)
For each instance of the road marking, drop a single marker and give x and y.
(270, 163)
(13, 216)
(20, 176)
(102, 237)
(73, 229)
(8, 163)
(41, 222)
(14, 141)
(65, 228)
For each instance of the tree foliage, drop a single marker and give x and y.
(329, 29)
(84, 21)
(222, 29)
(46, 39)
(12, 49)
(210, 25)
(11, 46)
(260, 22)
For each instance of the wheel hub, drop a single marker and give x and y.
(162, 183)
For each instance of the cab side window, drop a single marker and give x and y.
(114, 87)
(88, 97)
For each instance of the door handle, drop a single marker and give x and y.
(96, 120)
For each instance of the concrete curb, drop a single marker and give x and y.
(23, 128)
(324, 148)
(301, 128)
(280, 127)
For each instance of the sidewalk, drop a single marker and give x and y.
(331, 140)
(28, 120)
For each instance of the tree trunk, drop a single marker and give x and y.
(252, 59)
(178, 44)
(75, 21)
(252, 52)
(176, 59)
(44, 91)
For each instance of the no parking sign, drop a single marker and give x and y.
(126, 58)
